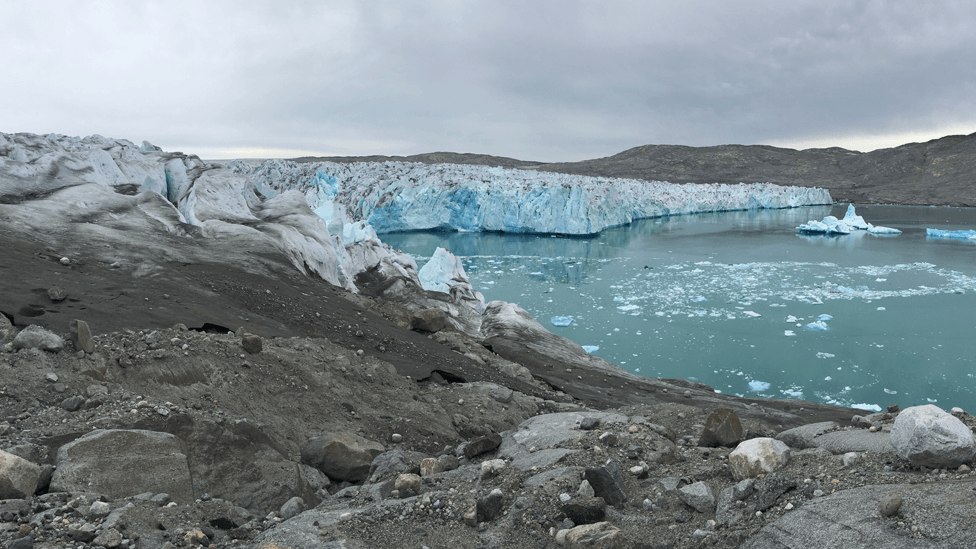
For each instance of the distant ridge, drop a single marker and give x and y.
(939, 172)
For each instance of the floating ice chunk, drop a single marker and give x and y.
(757, 386)
(819, 326)
(751, 313)
(825, 355)
(883, 231)
(591, 348)
(628, 307)
(932, 399)
(881, 308)
(698, 299)
(961, 235)
(791, 319)
(825, 317)
(833, 226)
(561, 320)
(789, 333)
(853, 220)
(869, 407)
(795, 392)
(619, 299)
(828, 378)
(890, 392)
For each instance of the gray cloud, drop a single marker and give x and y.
(536, 80)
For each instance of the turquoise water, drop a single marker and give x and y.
(741, 302)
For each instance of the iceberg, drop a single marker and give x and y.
(445, 273)
(561, 320)
(818, 326)
(404, 196)
(757, 386)
(969, 235)
(851, 222)
(591, 348)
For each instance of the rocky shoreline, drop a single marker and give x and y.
(170, 384)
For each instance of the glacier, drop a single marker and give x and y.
(831, 226)
(402, 196)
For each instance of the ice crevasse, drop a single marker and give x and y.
(400, 196)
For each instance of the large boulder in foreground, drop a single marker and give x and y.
(758, 455)
(341, 456)
(927, 435)
(121, 462)
(722, 428)
(18, 477)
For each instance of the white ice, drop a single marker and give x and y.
(561, 320)
(851, 222)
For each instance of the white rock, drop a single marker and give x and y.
(758, 455)
(18, 477)
(927, 435)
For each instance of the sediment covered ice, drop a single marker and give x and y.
(400, 196)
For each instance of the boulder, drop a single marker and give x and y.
(927, 435)
(81, 336)
(408, 484)
(120, 463)
(600, 535)
(607, 482)
(585, 510)
(490, 506)
(252, 343)
(722, 428)
(481, 445)
(394, 462)
(293, 507)
(35, 337)
(18, 477)
(758, 455)
(341, 456)
(698, 495)
(429, 320)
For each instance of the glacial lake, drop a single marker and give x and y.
(741, 302)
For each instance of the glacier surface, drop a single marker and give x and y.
(402, 196)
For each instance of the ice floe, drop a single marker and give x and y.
(968, 235)
(561, 320)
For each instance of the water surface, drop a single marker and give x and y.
(740, 301)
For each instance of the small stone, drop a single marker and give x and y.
(408, 483)
(491, 467)
(483, 444)
(890, 505)
(490, 506)
(65, 261)
(607, 482)
(471, 516)
(585, 490)
(396, 437)
(81, 336)
(56, 294)
(589, 423)
(252, 343)
(52, 377)
(964, 469)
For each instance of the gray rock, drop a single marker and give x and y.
(18, 477)
(81, 336)
(571, 474)
(26, 542)
(429, 320)
(35, 337)
(607, 482)
(315, 479)
(722, 428)
(548, 431)
(252, 343)
(542, 458)
(600, 535)
(408, 484)
(96, 390)
(849, 518)
(56, 294)
(394, 462)
(927, 435)
(490, 506)
(699, 496)
(121, 463)
(585, 510)
(110, 538)
(341, 456)
(769, 489)
(803, 436)
(857, 440)
(589, 423)
(292, 508)
(890, 505)
(160, 499)
(481, 445)
(725, 513)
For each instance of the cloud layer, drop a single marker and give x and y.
(546, 80)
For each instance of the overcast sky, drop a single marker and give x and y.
(536, 80)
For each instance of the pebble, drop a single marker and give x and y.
(396, 437)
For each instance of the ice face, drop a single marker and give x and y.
(399, 196)
(851, 222)
(445, 273)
